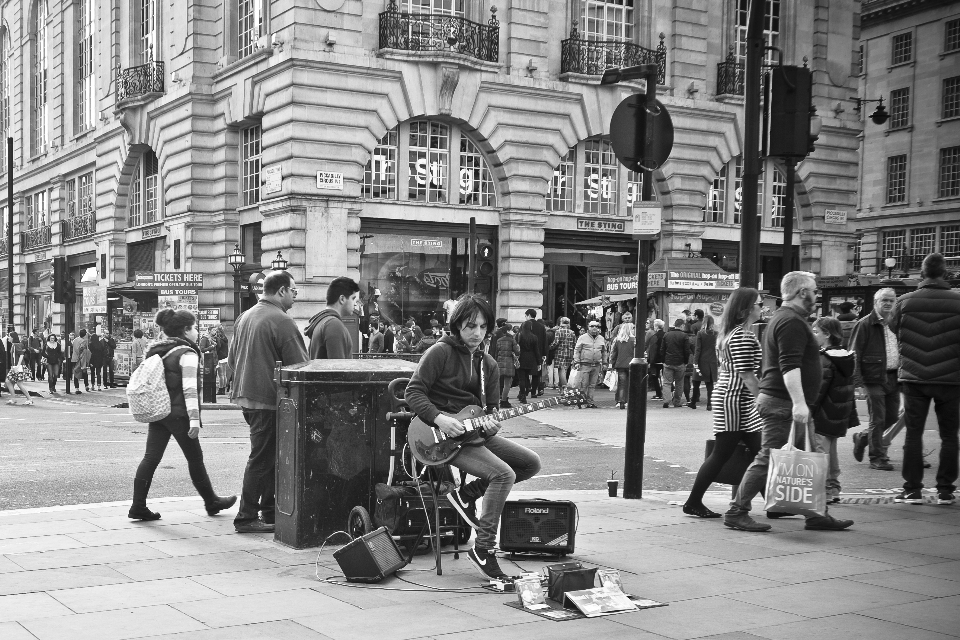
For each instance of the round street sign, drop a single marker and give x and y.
(629, 118)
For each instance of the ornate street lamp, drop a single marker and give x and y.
(879, 115)
(236, 261)
(890, 263)
(279, 264)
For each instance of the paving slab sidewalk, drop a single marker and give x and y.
(86, 571)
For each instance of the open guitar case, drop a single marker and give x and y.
(413, 509)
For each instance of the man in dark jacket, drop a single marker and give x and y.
(111, 349)
(653, 357)
(674, 353)
(877, 354)
(329, 337)
(263, 335)
(541, 332)
(927, 321)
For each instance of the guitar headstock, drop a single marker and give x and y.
(573, 396)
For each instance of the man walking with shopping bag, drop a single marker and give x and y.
(789, 384)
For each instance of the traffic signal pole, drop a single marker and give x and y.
(749, 229)
(787, 258)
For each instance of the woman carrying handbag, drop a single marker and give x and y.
(181, 363)
(735, 416)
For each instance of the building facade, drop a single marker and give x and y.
(909, 203)
(361, 138)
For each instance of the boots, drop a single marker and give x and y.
(213, 503)
(138, 510)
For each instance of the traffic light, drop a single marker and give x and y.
(69, 291)
(56, 281)
(485, 260)
(790, 112)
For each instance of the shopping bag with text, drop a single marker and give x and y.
(796, 479)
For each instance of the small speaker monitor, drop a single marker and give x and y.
(370, 558)
(538, 526)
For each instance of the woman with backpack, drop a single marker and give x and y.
(98, 352)
(835, 410)
(181, 362)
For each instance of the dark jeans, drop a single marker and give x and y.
(158, 435)
(259, 477)
(108, 370)
(946, 401)
(696, 391)
(536, 384)
(53, 371)
(883, 404)
(723, 450)
(623, 385)
(499, 464)
(655, 371)
(525, 384)
(96, 378)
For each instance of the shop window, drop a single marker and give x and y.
(250, 165)
(561, 188)
(380, 175)
(434, 152)
(144, 202)
(141, 256)
(600, 170)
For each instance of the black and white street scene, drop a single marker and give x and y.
(467, 319)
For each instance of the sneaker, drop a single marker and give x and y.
(881, 466)
(486, 561)
(666, 405)
(467, 510)
(910, 497)
(657, 398)
(743, 522)
(77, 392)
(827, 523)
(945, 498)
(257, 526)
(859, 445)
(833, 500)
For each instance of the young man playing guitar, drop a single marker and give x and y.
(453, 374)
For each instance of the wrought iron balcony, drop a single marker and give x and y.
(79, 226)
(425, 32)
(592, 58)
(139, 81)
(730, 76)
(36, 238)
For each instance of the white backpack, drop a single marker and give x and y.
(147, 394)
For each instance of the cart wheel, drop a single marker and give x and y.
(359, 522)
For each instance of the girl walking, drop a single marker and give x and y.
(181, 361)
(836, 409)
(735, 416)
(15, 377)
(53, 354)
(620, 357)
(705, 362)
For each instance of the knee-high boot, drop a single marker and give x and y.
(213, 503)
(138, 510)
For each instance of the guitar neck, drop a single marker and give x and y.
(522, 409)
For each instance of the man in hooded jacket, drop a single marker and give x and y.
(329, 337)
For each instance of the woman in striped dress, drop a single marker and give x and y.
(735, 417)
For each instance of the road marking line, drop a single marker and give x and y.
(555, 475)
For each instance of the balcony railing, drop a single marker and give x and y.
(730, 76)
(36, 238)
(79, 226)
(139, 81)
(592, 58)
(3, 246)
(424, 32)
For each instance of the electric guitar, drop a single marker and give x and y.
(430, 446)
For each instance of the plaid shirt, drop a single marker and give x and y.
(565, 341)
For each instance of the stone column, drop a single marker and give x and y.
(521, 262)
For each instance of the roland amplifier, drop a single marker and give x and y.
(539, 526)
(370, 558)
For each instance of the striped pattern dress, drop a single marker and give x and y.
(734, 407)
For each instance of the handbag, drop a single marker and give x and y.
(796, 479)
(611, 379)
(734, 468)
(568, 576)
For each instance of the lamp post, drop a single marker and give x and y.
(879, 115)
(279, 264)
(236, 261)
(890, 263)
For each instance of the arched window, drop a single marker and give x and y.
(4, 99)
(144, 205)
(725, 201)
(605, 186)
(38, 111)
(432, 151)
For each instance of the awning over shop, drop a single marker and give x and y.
(675, 274)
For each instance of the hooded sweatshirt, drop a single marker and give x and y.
(836, 408)
(447, 379)
(329, 338)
